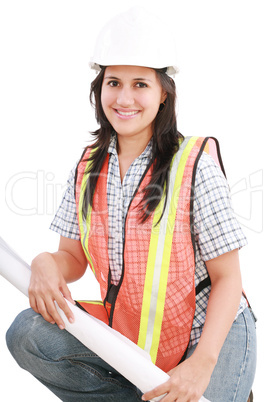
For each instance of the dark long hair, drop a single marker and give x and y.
(165, 143)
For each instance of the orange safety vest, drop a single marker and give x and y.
(154, 303)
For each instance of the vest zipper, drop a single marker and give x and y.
(115, 288)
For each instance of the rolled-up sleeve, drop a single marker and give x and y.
(65, 221)
(217, 230)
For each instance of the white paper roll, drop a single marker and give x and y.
(110, 345)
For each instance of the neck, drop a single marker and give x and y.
(129, 147)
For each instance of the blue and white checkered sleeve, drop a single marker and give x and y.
(65, 221)
(216, 227)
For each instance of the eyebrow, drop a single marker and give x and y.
(134, 79)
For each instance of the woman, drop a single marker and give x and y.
(149, 210)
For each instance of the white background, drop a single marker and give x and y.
(46, 117)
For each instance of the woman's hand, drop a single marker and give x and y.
(188, 381)
(48, 285)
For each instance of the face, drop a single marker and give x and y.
(130, 98)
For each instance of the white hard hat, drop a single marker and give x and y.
(136, 38)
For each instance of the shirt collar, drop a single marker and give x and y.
(112, 145)
(145, 154)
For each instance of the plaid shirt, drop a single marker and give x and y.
(216, 229)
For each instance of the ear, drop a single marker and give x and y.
(164, 96)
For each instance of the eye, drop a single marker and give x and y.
(113, 83)
(141, 85)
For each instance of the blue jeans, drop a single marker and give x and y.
(76, 374)
(233, 376)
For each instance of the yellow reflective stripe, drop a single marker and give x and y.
(147, 293)
(150, 277)
(95, 302)
(159, 257)
(153, 270)
(85, 224)
(167, 249)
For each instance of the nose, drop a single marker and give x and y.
(125, 97)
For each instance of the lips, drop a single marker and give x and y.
(126, 113)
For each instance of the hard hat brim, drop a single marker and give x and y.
(171, 70)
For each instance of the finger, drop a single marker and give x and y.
(59, 299)
(52, 310)
(66, 293)
(65, 308)
(42, 309)
(158, 391)
(33, 304)
(172, 397)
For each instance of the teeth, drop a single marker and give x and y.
(127, 113)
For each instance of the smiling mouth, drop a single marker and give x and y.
(132, 113)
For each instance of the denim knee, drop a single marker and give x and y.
(19, 334)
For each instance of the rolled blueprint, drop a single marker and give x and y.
(125, 356)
